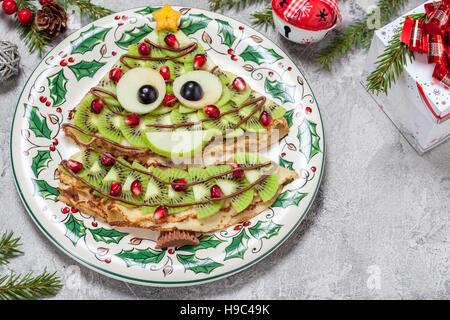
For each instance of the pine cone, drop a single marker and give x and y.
(52, 19)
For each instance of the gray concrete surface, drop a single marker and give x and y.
(379, 228)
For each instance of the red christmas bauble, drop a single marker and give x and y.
(25, 16)
(311, 15)
(9, 7)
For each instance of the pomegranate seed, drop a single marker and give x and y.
(169, 100)
(165, 72)
(179, 187)
(97, 106)
(199, 61)
(132, 120)
(212, 111)
(115, 74)
(107, 159)
(144, 49)
(172, 41)
(265, 119)
(216, 192)
(74, 166)
(115, 189)
(160, 213)
(239, 84)
(238, 174)
(136, 188)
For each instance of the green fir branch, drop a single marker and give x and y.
(18, 286)
(390, 64)
(263, 17)
(219, 4)
(8, 247)
(87, 8)
(358, 34)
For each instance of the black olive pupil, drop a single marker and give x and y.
(147, 94)
(192, 91)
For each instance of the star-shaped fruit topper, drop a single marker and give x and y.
(166, 18)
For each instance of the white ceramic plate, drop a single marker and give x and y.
(75, 65)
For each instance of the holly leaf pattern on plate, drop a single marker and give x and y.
(133, 36)
(226, 32)
(75, 229)
(141, 257)
(40, 161)
(57, 85)
(37, 123)
(289, 117)
(289, 198)
(265, 230)
(46, 191)
(237, 247)
(308, 139)
(89, 39)
(280, 90)
(285, 163)
(191, 262)
(206, 241)
(107, 235)
(86, 68)
(148, 10)
(193, 22)
(260, 54)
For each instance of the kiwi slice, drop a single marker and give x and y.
(183, 41)
(177, 117)
(221, 124)
(162, 109)
(155, 191)
(94, 170)
(107, 84)
(184, 109)
(228, 184)
(225, 97)
(178, 197)
(157, 119)
(202, 191)
(268, 187)
(134, 134)
(133, 176)
(117, 172)
(252, 124)
(85, 119)
(109, 125)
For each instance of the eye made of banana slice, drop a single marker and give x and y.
(141, 90)
(197, 89)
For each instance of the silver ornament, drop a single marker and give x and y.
(9, 60)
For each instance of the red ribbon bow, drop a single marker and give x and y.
(431, 38)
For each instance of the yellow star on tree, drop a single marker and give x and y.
(166, 18)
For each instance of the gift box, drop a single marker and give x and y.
(418, 103)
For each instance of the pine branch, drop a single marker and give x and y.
(263, 17)
(358, 34)
(87, 8)
(15, 287)
(390, 64)
(8, 247)
(218, 4)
